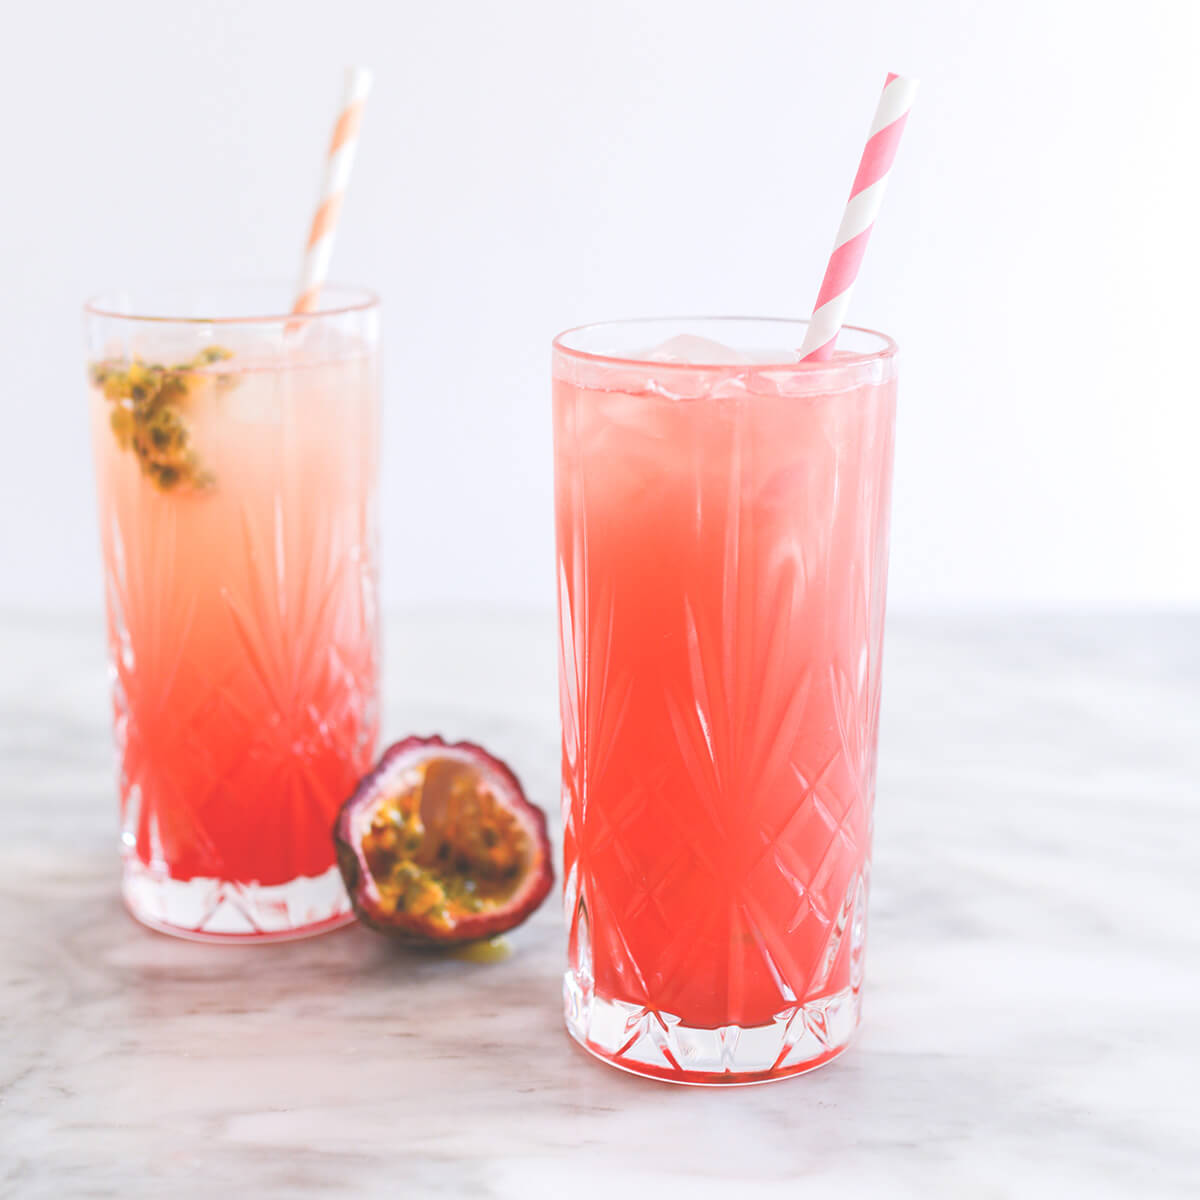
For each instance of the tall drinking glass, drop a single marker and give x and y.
(722, 531)
(235, 459)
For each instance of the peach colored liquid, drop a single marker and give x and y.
(721, 563)
(242, 623)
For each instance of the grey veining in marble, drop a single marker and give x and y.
(1033, 971)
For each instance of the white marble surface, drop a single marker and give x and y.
(1033, 975)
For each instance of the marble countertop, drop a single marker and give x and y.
(1033, 976)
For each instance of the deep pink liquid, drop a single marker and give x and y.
(722, 567)
(242, 623)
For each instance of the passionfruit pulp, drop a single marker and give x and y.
(439, 846)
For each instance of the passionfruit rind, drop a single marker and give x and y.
(439, 846)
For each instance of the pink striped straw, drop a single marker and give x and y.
(338, 162)
(862, 208)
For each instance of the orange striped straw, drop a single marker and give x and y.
(338, 162)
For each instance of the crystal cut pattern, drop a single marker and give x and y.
(721, 577)
(243, 663)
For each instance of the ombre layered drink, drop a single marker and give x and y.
(236, 465)
(722, 531)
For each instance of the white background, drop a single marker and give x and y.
(528, 166)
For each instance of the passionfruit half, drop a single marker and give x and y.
(439, 845)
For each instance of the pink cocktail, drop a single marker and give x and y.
(722, 533)
(236, 464)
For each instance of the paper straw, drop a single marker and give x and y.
(338, 162)
(862, 208)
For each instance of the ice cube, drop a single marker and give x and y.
(691, 350)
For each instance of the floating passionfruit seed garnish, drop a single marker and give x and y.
(147, 419)
(439, 846)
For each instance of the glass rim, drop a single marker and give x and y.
(847, 359)
(359, 299)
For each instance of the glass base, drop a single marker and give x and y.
(217, 910)
(658, 1045)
